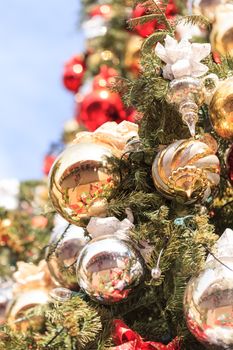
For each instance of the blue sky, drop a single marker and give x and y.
(36, 37)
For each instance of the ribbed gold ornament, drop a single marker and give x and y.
(221, 109)
(185, 171)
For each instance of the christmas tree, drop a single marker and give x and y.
(141, 253)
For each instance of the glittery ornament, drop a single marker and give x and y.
(64, 248)
(221, 111)
(208, 298)
(185, 171)
(108, 268)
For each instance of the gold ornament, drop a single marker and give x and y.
(100, 57)
(32, 287)
(80, 176)
(185, 170)
(132, 54)
(221, 37)
(221, 109)
(207, 8)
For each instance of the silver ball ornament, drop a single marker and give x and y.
(208, 304)
(62, 253)
(108, 268)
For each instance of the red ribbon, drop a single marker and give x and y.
(126, 339)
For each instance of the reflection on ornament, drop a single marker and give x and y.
(208, 298)
(221, 109)
(209, 140)
(207, 8)
(230, 164)
(185, 171)
(221, 37)
(108, 268)
(78, 176)
(62, 254)
(79, 179)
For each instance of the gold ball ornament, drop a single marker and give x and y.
(185, 171)
(80, 176)
(221, 37)
(23, 303)
(221, 109)
(77, 178)
(31, 289)
(207, 8)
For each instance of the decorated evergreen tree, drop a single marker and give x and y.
(140, 256)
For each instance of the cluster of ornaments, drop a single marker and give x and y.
(105, 264)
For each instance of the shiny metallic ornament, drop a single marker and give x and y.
(108, 268)
(187, 94)
(208, 300)
(75, 178)
(185, 171)
(21, 304)
(62, 254)
(221, 109)
(221, 37)
(207, 8)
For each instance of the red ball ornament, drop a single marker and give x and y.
(105, 78)
(230, 164)
(99, 107)
(74, 70)
(103, 10)
(47, 164)
(148, 28)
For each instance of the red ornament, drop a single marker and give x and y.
(150, 27)
(230, 164)
(74, 70)
(103, 10)
(101, 105)
(126, 339)
(48, 162)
